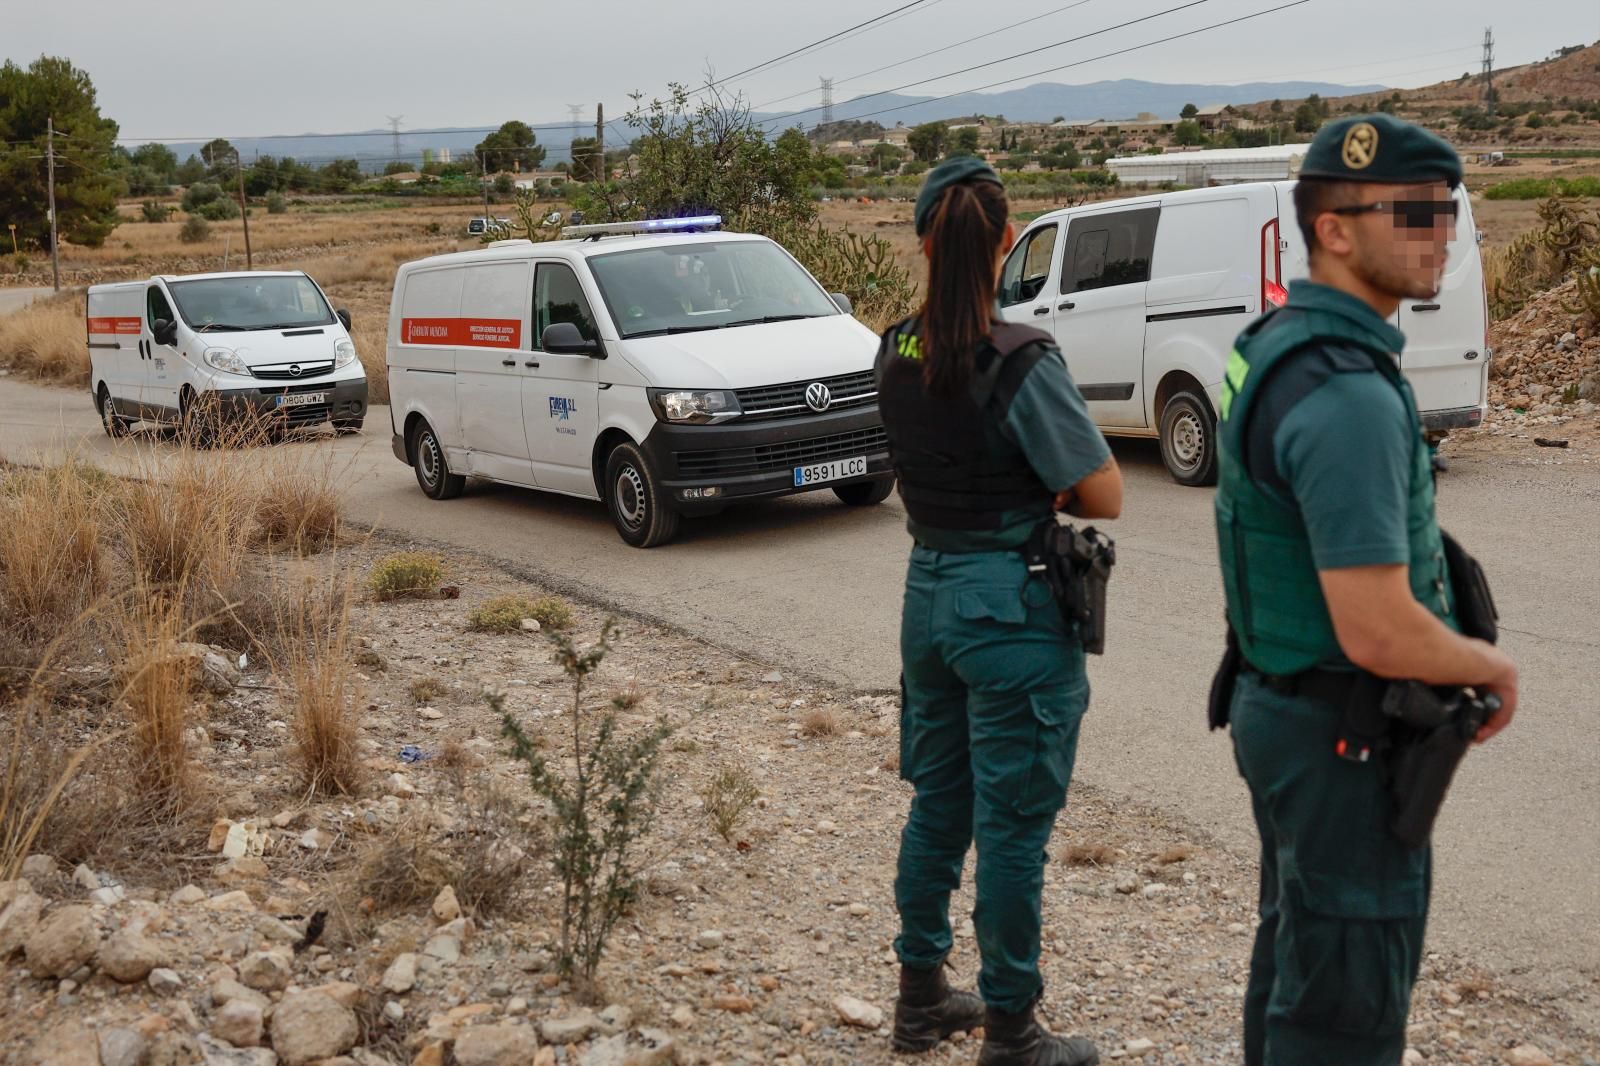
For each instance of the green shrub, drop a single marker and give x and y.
(728, 797)
(201, 192)
(551, 612)
(406, 574)
(154, 212)
(1540, 188)
(426, 690)
(195, 230)
(276, 205)
(218, 210)
(503, 614)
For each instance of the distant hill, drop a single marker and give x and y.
(1125, 98)
(374, 148)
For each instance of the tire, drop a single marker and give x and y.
(1189, 440)
(865, 493)
(433, 470)
(114, 424)
(345, 426)
(196, 428)
(639, 509)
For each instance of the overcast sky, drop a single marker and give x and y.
(199, 68)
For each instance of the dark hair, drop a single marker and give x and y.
(1318, 196)
(966, 229)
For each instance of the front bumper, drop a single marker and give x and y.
(1454, 418)
(345, 399)
(739, 462)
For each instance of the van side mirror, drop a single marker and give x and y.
(563, 338)
(843, 302)
(344, 317)
(164, 330)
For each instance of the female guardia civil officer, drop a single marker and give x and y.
(988, 436)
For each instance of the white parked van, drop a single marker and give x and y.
(1146, 295)
(664, 367)
(266, 341)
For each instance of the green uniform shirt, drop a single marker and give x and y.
(1049, 421)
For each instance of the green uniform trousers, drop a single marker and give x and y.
(1343, 903)
(994, 692)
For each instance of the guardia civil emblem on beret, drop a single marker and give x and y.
(1360, 146)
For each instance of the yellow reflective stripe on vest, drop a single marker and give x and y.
(909, 346)
(1233, 380)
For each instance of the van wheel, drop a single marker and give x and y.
(865, 493)
(199, 422)
(638, 507)
(115, 425)
(433, 471)
(1189, 440)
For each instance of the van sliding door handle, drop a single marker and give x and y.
(1065, 305)
(532, 363)
(1041, 310)
(508, 362)
(1424, 307)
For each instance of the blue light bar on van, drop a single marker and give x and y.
(649, 225)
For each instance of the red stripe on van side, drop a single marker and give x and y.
(121, 327)
(462, 332)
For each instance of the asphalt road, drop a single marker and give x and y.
(16, 299)
(815, 587)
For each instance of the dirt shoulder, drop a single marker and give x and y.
(736, 952)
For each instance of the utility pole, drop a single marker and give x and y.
(600, 142)
(50, 168)
(827, 101)
(394, 126)
(1488, 70)
(244, 209)
(483, 178)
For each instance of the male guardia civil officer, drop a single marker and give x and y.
(1334, 571)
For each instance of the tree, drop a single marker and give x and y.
(586, 165)
(511, 147)
(86, 193)
(927, 141)
(190, 171)
(1307, 118)
(1188, 133)
(965, 141)
(396, 167)
(218, 155)
(339, 175)
(1189, 111)
(887, 157)
(158, 157)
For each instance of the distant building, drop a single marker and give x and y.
(1213, 166)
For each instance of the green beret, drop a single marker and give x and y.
(1380, 148)
(951, 172)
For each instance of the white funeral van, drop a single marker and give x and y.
(664, 367)
(266, 341)
(1146, 295)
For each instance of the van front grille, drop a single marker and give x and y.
(774, 458)
(770, 402)
(292, 371)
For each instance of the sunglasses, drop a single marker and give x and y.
(1408, 214)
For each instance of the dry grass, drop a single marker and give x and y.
(427, 689)
(728, 797)
(315, 660)
(45, 341)
(157, 693)
(403, 575)
(51, 550)
(40, 762)
(1089, 855)
(820, 722)
(297, 504)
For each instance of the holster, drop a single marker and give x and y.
(1076, 565)
(1219, 703)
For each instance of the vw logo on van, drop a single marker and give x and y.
(818, 398)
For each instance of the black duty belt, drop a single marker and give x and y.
(1324, 686)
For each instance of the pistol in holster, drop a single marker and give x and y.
(1076, 566)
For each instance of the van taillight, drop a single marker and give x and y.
(1272, 291)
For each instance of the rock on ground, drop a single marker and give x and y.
(18, 921)
(265, 971)
(571, 1029)
(496, 1045)
(62, 942)
(1528, 1055)
(123, 1047)
(239, 1023)
(859, 1013)
(66, 1044)
(129, 956)
(401, 976)
(309, 1025)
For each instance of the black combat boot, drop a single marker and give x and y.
(1019, 1040)
(929, 1010)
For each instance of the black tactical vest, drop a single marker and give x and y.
(956, 469)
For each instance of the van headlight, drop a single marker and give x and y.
(716, 405)
(344, 353)
(226, 359)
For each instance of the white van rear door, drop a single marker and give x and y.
(116, 350)
(490, 357)
(1444, 359)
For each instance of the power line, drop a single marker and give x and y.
(933, 52)
(792, 53)
(1006, 59)
(1091, 59)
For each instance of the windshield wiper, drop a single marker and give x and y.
(682, 329)
(227, 326)
(764, 319)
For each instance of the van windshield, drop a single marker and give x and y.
(247, 303)
(680, 288)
